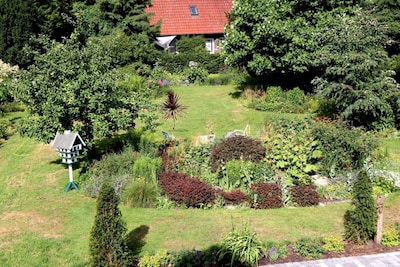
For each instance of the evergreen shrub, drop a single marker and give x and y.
(360, 223)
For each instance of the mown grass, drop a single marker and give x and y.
(216, 109)
(41, 225)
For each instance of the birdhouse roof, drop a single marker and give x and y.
(67, 140)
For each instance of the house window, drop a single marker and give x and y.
(210, 45)
(193, 10)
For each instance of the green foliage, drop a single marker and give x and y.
(336, 190)
(309, 247)
(357, 75)
(102, 18)
(161, 258)
(275, 99)
(333, 244)
(237, 147)
(360, 223)
(391, 237)
(192, 44)
(195, 74)
(244, 246)
(78, 93)
(116, 168)
(292, 147)
(382, 185)
(147, 168)
(107, 238)
(140, 193)
(342, 147)
(242, 174)
(194, 161)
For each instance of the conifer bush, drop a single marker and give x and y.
(107, 238)
(360, 223)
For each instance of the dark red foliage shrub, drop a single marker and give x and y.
(237, 147)
(168, 162)
(305, 195)
(235, 197)
(269, 195)
(185, 189)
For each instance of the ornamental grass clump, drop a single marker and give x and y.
(243, 246)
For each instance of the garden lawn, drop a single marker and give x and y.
(215, 109)
(41, 225)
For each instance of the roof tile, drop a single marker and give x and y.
(177, 20)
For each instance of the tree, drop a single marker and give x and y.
(357, 75)
(75, 87)
(103, 17)
(107, 238)
(17, 23)
(276, 39)
(22, 19)
(360, 223)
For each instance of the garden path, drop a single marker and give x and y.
(375, 260)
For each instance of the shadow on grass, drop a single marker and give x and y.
(136, 237)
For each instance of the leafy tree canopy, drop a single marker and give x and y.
(76, 87)
(356, 71)
(277, 38)
(20, 19)
(103, 17)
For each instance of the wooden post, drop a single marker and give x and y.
(380, 200)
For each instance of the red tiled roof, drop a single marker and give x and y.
(176, 18)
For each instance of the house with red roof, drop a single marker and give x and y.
(190, 17)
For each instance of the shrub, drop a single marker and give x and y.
(140, 193)
(333, 244)
(147, 168)
(114, 164)
(360, 223)
(267, 195)
(390, 237)
(235, 197)
(342, 147)
(305, 195)
(335, 191)
(107, 238)
(161, 258)
(92, 185)
(309, 247)
(243, 246)
(186, 190)
(292, 148)
(196, 75)
(237, 147)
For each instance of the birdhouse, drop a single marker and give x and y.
(68, 145)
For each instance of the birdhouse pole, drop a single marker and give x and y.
(71, 177)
